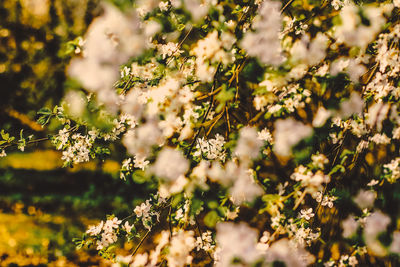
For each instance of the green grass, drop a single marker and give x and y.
(43, 240)
(46, 160)
(43, 207)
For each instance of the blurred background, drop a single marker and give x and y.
(42, 205)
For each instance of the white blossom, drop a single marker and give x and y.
(236, 241)
(181, 245)
(352, 31)
(307, 214)
(212, 148)
(205, 242)
(265, 135)
(375, 223)
(111, 39)
(95, 229)
(283, 251)
(321, 116)
(349, 226)
(170, 164)
(365, 198)
(248, 145)
(395, 245)
(319, 160)
(289, 132)
(264, 43)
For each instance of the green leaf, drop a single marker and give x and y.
(5, 135)
(44, 111)
(337, 168)
(197, 204)
(139, 177)
(223, 97)
(46, 116)
(253, 71)
(212, 204)
(345, 155)
(181, 27)
(177, 200)
(211, 219)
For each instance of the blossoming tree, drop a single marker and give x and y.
(270, 129)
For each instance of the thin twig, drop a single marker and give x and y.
(180, 44)
(276, 232)
(206, 114)
(287, 5)
(256, 117)
(300, 200)
(34, 141)
(188, 83)
(127, 83)
(201, 236)
(170, 222)
(227, 121)
(127, 217)
(214, 123)
(141, 242)
(210, 94)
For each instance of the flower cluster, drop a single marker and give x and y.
(212, 148)
(105, 232)
(147, 211)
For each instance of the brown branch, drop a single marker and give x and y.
(287, 5)
(206, 114)
(227, 121)
(170, 222)
(180, 44)
(210, 94)
(217, 118)
(33, 141)
(201, 236)
(303, 195)
(141, 242)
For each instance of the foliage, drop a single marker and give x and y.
(268, 131)
(33, 35)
